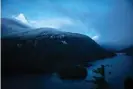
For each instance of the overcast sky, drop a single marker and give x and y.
(106, 21)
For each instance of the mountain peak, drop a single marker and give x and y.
(9, 26)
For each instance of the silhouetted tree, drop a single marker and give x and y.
(101, 82)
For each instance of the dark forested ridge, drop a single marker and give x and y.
(47, 50)
(128, 51)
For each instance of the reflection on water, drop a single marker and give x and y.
(121, 67)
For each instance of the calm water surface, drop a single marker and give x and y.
(122, 66)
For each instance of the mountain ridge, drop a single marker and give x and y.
(48, 51)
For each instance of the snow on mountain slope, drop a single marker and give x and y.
(9, 26)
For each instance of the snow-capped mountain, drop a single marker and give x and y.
(10, 26)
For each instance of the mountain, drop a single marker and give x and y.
(113, 46)
(128, 51)
(9, 26)
(48, 50)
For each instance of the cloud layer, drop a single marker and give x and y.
(49, 22)
(62, 23)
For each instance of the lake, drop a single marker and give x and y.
(121, 66)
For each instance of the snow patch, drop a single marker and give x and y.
(64, 42)
(21, 18)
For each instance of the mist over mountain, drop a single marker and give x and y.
(48, 50)
(10, 26)
(67, 44)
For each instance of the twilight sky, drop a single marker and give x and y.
(106, 21)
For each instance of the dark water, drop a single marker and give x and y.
(122, 66)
